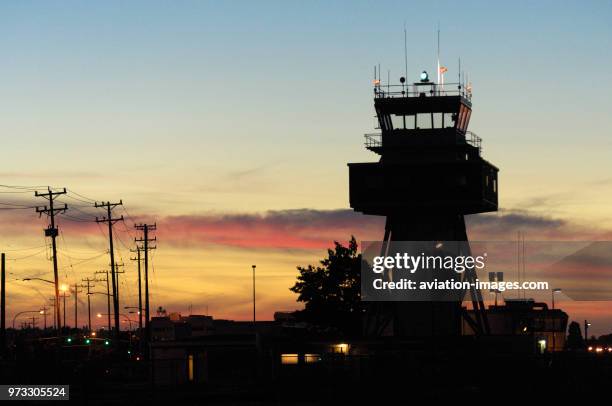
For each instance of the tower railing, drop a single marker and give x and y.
(425, 89)
(474, 140)
(374, 140)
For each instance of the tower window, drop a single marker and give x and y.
(424, 120)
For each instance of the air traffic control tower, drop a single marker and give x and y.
(429, 176)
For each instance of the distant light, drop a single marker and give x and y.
(341, 348)
(590, 348)
(69, 340)
(289, 359)
(129, 352)
(424, 76)
(93, 333)
(88, 341)
(99, 315)
(312, 358)
(598, 349)
(106, 342)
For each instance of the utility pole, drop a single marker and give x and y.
(52, 304)
(108, 296)
(64, 295)
(117, 273)
(88, 286)
(137, 251)
(3, 304)
(52, 232)
(110, 220)
(145, 228)
(76, 304)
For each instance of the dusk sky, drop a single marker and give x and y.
(230, 125)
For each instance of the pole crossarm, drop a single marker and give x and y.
(52, 232)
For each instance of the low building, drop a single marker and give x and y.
(525, 317)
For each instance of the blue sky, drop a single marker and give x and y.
(206, 91)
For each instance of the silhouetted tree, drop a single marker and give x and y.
(331, 291)
(574, 336)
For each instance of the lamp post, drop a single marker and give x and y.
(56, 321)
(24, 312)
(554, 317)
(99, 315)
(586, 332)
(254, 266)
(43, 311)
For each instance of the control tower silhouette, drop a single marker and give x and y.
(429, 176)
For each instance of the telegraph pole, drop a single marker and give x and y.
(110, 220)
(88, 286)
(117, 273)
(64, 295)
(52, 304)
(108, 296)
(52, 232)
(137, 251)
(145, 228)
(76, 304)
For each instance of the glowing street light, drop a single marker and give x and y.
(586, 329)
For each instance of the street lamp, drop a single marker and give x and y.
(38, 279)
(24, 312)
(56, 319)
(554, 332)
(586, 331)
(99, 315)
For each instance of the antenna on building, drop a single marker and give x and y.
(438, 70)
(459, 72)
(405, 52)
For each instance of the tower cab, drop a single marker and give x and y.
(428, 158)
